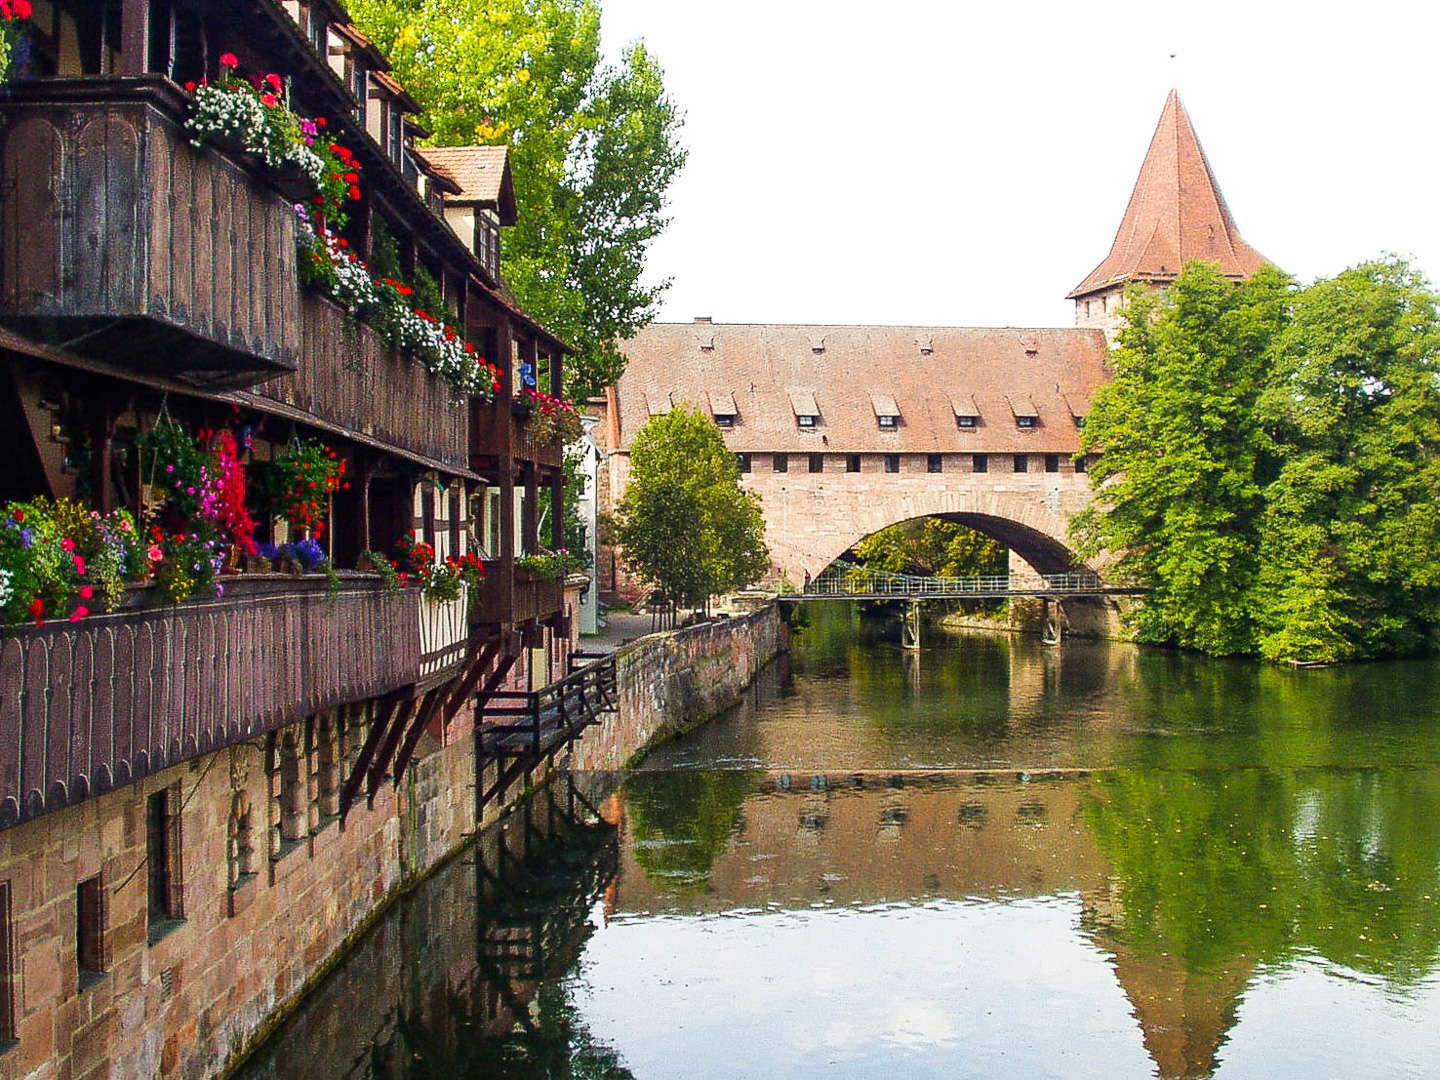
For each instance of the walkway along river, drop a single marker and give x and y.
(988, 859)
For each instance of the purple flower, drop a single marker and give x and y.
(219, 590)
(27, 537)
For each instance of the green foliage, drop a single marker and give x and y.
(932, 546)
(686, 525)
(593, 148)
(1269, 463)
(683, 821)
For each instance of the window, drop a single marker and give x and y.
(743, 460)
(1026, 421)
(318, 39)
(162, 860)
(967, 421)
(892, 462)
(780, 463)
(1052, 462)
(817, 463)
(979, 463)
(1082, 465)
(90, 930)
(724, 421)
(1079, 421)
(806, 420)
(934, 463)
(852, 462)
(396, 135)
(1022, 463)
(7, 966)
(888, 422)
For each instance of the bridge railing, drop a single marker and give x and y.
(860, 582)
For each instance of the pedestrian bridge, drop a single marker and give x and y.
(848, 581)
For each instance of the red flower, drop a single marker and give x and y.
(190, 86)
(86, 592)
(79, 613)
(229, 60)
(269, 99)
(352, 178)
(37, 607)
(354, 193)
(274, 80)
(19, 517)
(21, 8)
(319, 121)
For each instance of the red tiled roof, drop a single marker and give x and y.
(483, 173)
(1176, 214)
(773, 373)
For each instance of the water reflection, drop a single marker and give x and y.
(995, 860)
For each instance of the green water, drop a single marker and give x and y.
(990, 859)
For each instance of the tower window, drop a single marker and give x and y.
(852, 462)
(934, 463)
(817, 463)
(1052, 462)
(780, 463)
(162, 858)
(892, 463)
(979, 463)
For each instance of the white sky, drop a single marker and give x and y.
(968, 164)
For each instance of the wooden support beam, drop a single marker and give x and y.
(367, 754)
(427, 709)
(134, 37)
(475, 667)
(383, 756)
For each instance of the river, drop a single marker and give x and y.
(990, 859)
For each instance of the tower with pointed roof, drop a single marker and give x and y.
(1176, 214)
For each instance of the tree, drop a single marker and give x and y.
(1178, 486)
(594, 149)
(1351, 554)
(932, 546)
(685, 524)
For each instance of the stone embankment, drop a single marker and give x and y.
(672, 681)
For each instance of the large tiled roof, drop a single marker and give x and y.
(1176, 214)
(772, 371)
(483, 173)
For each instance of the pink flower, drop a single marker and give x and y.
(269, 99)
(274, 80)
(86, 592)
(79, 613)
(155, 553)
(228, 60)
(68, 544)
(79, 564)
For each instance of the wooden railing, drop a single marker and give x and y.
(120, 240)
(842, 581)
(511, 595)
(349, 377)
(521, 723)
(444, 632)
(496, 435)
(89, 706)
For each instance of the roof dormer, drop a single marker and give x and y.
(485, 200)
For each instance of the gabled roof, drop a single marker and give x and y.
(775, 376)
(722, 403)
(1176, 214)
(395, 90)
(483, 173)
(884, 405)
(374, 58)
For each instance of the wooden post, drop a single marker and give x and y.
(134, 37)
(910, 637)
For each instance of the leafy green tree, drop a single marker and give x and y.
(1351, 556)
(932, 546)
(1178, 487)
(686, 525)
(594, 149)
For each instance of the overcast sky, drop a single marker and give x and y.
(967, 164)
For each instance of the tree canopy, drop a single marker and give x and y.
(594, 149)
(932, 546)
(686, 525)
(1268, 463)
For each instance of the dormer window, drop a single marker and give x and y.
(805, 408)
(483, 198)
(319, 38)
(724, 421)
(1024, 411)
(967, 413)
(966, 421)
(1025, 421)
(722, 408)
(887, 413)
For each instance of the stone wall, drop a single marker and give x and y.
(180, 997)
(672, 681)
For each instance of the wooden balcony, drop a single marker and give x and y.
(349, 378)
(511, 596)
(496, 434)
(122, 242)
(90, 706)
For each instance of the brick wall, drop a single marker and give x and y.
(256, 926)
(674, 680)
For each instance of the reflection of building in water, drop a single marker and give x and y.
(865, 838)
(447, 982)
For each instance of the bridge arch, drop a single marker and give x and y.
(809, 528)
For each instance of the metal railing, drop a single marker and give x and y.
(850, 581)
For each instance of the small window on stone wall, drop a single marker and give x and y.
(780, 463)
(979, 463)
(1022, 463)
(934, 463)
(287, 787)
(1082, 465)
(744, 462)
(852, 462)
(817, 463)
(892, 463)
(1052, 462)
(90, 930)
(162, 862)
